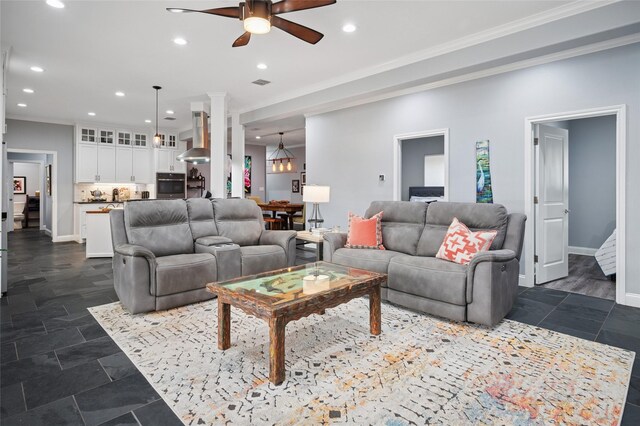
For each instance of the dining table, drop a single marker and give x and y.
(289, 209)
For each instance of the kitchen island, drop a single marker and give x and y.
(98, 233)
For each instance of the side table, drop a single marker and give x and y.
(308, 237)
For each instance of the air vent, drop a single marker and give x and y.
(170, 118)
(261, 82)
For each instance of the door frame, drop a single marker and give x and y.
(41, 173)
(54, 184)
(397, 158)
(620, 112)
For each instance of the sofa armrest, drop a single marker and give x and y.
(135, 251)
(492, 286)
(332, 242)
(284, 239)
(134, 277)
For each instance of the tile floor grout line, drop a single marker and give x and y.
(554, 308)
(605, 320)
(75, 402)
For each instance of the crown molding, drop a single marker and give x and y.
(555, 14)
(567, 54)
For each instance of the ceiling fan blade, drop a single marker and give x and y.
(243, 40)
(297, 30)
(227, 12)
(293, 5)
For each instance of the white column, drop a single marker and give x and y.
(218, 144)
(237, 154)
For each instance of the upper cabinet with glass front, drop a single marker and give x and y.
(88, 135)
(106, 137)
(124, 138)
(172, 141)
(140, 140)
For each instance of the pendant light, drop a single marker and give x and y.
(281, 155)
(157, 140)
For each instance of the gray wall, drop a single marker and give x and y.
(592, 181)
(413, 152)
(491, 108)
(279, 184)
(49, 137)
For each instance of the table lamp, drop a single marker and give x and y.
(316, 194)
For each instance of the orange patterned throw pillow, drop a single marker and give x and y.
(460, 244)
(365, 233)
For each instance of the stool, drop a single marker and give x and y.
(274, 223)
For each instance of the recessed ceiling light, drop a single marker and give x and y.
(262, 66)
(36, 68)
(180, 41)
(258, 137)
(21, 105)
(55, 3)
(169, 111)
(120, 94)
(348, 28)
(27, 90)
(147, 121)
(92, 114)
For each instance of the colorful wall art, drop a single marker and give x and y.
(484, 191)
(247, 174)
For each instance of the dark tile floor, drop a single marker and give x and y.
(58, 367)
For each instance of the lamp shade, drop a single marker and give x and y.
(316, 194)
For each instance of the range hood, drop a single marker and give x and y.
(200, 152)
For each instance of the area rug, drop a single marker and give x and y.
(420, 370)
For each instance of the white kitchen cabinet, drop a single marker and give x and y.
(140, 140)
(87, 162)
(124, 164)
(142, 163)
(166, 161)
(106, 164)
(172, 141)
(124, 138)
(98, 235)
(81, 217)
(88, 134)
(106, 137)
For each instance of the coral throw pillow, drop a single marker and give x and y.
(460, 244)
(365, 233)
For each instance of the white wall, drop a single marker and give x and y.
(491, 108)
(34, 178)
(50, 137)
(279, 183)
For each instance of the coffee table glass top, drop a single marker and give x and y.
(289, 284)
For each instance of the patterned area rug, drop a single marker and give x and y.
(419, 370)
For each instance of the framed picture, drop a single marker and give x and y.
(247, 174)
(295, 186)
(47, 171)
(303, 177)
(19, 185)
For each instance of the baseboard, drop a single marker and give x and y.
(47, 231)
(632, 299)
(64, 238)
(522, 280)
(584, 251)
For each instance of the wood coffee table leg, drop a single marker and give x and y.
(224, 325)
(374, 311)
(276, 350)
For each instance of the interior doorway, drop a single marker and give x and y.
(574, 188)
(421, 166)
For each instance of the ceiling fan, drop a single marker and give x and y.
(258, 16)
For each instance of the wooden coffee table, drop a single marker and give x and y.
(279, 297)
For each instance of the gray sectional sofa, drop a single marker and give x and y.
(166, 251)
(481, 292)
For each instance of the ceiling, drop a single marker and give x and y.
(91, 49)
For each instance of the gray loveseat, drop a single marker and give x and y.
(482, 292)
(166, 251)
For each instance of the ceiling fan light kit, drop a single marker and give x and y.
(258, 16)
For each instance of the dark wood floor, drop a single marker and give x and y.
(58, 367)
(585, 277)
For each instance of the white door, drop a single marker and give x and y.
(87, 163)
(552, 208)
(142, 166)
(124, 164)
(106, 163)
